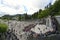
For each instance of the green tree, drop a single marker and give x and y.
(36, 14)
(51, 10)
(27, 17)
(7, 17)
(44, 13)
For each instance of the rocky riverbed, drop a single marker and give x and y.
(16, 29)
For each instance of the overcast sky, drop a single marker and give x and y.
(22, 6)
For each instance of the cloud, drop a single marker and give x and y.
(2, 13)
(22, 6)
(53, 1)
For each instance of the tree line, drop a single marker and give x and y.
(49, 10)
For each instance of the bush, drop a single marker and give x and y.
(3, 27)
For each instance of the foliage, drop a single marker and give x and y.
(36, 14)
(44, 13)
(7, 17)
(3, 27)
(51, 10)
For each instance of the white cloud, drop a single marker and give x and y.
(53, 1)
(22, 6)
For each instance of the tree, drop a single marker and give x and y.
(55, 8)
(51, 10)
(25, 16)
(44, 13)
(36, 14)
(7, 17)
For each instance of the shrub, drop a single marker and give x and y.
(3, 27)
